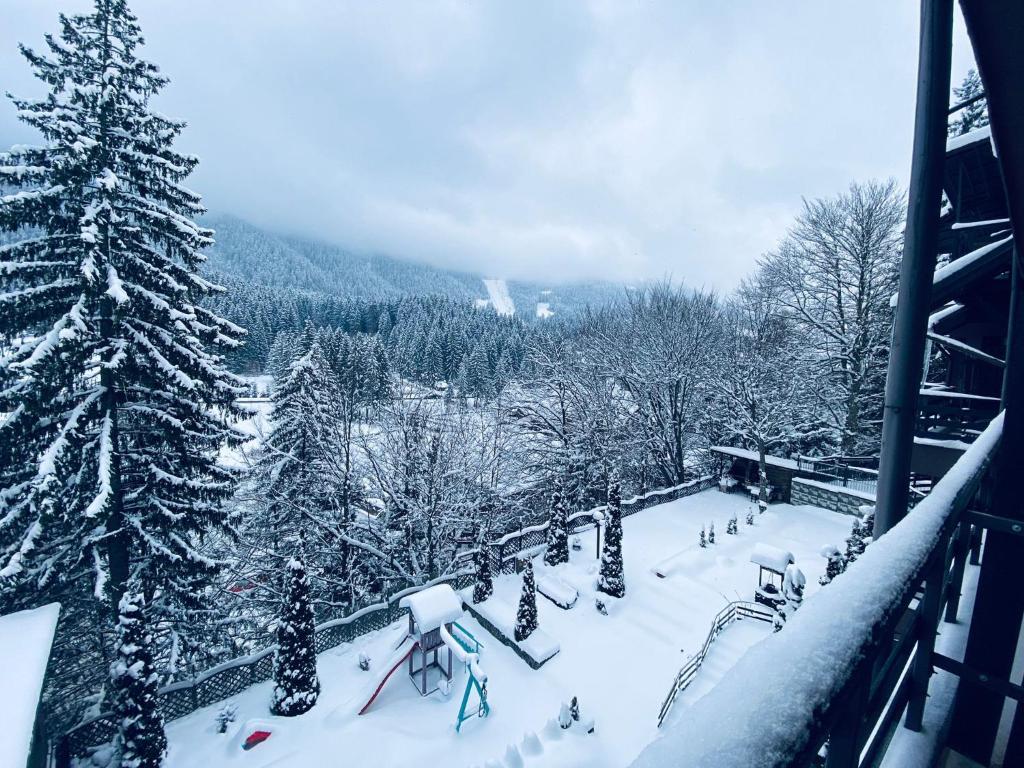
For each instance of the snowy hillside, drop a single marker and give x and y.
(497, 291)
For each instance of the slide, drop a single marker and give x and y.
(401, 654)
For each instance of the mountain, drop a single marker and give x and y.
(249, 253)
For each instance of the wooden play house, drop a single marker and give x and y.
(772, 563)
(430, 661)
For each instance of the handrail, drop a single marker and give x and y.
(735, 610)
(832, 667)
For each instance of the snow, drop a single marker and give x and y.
(499, 296)
(25, 640)
(544, 310)
(936, 317)
(645, 638)
(738, 722)
(501, 613)
(957, 395)
(958, 445)
(966, 260)
(433, 606)
(557, 591)
(771, 557)
(972, 224)
(743, 453)
(971, 137)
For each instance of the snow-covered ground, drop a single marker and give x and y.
(500, 299)
(619, 666)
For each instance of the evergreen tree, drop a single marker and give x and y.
(526, 616)
(834, 565)
(974, 115)
(116, 399)
(711, 533)
(855, 542)
(296, 685)
(750, 517)
(558, 532)
(484, 586)
(611, 580)
(140, 740)
(732, 526)
(703, 539)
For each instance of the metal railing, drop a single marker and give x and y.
(857, 654)
(734, 611)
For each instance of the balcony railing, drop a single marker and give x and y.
(832, 684)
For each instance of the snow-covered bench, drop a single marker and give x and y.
(498, 618)
(557, 591)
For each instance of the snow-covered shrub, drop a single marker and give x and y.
(226, 716)
(703, 539)
(732, 527)
(140, 741)
(750, 516)
(711, 533)
(611, 580)
(526, 616)
(558, 532)
(564, 716)
(364, 662)
(484, 586)
(296, 685)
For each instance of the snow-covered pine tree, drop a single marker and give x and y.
(703, 539)
(526, 616)
(296, 685)
(750, 517)
(484, 586)
(855, 542)
(116, 397)
(974, 115)
(732, 527)
(711, 533)
(140, 741)
(834, 565)
(558, 532)
(611, 580)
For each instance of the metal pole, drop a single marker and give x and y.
(906, 357)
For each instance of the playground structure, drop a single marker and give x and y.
(433, 638)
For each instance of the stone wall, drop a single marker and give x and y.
(833, 497)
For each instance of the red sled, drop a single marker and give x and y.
(254, 738)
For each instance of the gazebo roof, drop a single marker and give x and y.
(772, 558)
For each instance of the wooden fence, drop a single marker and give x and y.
(732, 612)
(232, 677)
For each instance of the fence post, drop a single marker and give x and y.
(963, 544)
(928, 612)
(844, 741)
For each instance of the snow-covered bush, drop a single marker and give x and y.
(526, 616)
(226, 716)
(296, 685)
(140, 741)
(750, 516)
(732, 527)
(611, 580)
(484, 586)
(364, 662)
(703, 538)
(711, 533)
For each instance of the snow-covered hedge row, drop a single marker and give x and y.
(799, 671)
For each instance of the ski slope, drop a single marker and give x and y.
(500, 299)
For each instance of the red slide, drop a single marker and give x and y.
(402, 656)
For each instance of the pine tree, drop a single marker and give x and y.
(611, 580)
(732, 526)
(296, 685)
(703, 539)
(116, 397)
(834, 565)
(140, 740)
(558, 532)
(855, 542)
(484, 586)
(711, 533)
(750, 517)
(526, 616)
(974, 115)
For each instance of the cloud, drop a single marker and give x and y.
(538, 140)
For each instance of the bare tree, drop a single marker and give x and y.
(836, 270)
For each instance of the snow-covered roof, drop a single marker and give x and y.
(743, 453)
(971, 137)
(433, 606)
(25, 640)
(771, 557)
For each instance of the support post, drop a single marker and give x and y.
(906, 357)
(960, 553)
(928, 611)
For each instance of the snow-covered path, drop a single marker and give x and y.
(497, 290)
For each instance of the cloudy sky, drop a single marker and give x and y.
(622, 140)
